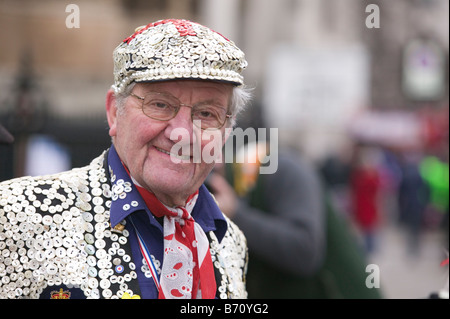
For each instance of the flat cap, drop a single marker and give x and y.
(176, 49)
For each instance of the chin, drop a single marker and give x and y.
(170, 183)
(176, 178)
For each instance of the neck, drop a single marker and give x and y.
(168, 200)
(171, 201)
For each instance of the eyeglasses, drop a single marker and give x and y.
(164, 107)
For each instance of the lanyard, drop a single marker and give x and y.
(146, 254)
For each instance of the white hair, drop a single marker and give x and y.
(240, 98)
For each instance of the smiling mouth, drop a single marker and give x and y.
(179, 157)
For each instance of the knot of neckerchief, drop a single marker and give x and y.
(187, 271)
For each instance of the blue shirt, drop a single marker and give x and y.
(131, 205)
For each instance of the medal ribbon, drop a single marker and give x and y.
(147, 257)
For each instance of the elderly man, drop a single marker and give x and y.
(138, 222)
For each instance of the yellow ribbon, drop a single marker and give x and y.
(126, 295)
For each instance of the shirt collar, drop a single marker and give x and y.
(126, 200)
(208, 215)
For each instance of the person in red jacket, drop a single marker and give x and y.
(365, 187)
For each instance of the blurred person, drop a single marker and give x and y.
(335, 171)
(434, 169)
(284, 222)
(299, 246)
(137, 222)
(413, 197)
(365, 186)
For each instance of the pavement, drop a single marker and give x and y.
(407, 276)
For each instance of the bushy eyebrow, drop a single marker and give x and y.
(211, 101)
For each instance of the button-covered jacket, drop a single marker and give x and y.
(56, 241)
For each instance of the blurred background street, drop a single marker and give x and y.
(358, 87)
(410, 277)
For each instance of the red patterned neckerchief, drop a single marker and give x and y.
(187, 271)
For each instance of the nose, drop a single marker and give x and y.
(180, 128)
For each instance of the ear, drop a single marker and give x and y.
(111, 112)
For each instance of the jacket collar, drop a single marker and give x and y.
(127, 200)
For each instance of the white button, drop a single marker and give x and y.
(99, 218)
(96, 192)
(101, 254)
(67, 242)
(103, 273)
(57, 241)
(47, 220)
(77, 237)
(99, 209)
(90, 249)
(105, 283)
(102, 263)
(49, 254)
(107, 293)
(72, 252)
(52, 269)
(100, 244)
(91, 261)
(156, 38)
(21, 217)
(89, 238)
(60, 252)
(67, 215)
(88, 217)
(88, 227)
(58, 219)
(92, 272)
(93, 283)
(118, 189)
(123, 196)
(39, 256)
(95, 294)
(71, 267)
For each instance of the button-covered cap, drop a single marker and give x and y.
(176, 49)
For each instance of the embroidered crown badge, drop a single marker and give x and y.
(61, 294)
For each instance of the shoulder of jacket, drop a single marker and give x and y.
(70, 176)
(235, 243)
(231, 257)
(235, 232)
(40, 193)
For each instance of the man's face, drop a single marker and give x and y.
(143, 143)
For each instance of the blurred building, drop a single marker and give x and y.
(334, 65)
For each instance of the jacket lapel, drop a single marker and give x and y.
(115, 271)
